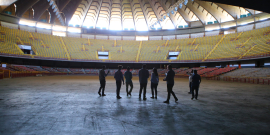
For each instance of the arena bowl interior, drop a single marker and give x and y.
(133, 31)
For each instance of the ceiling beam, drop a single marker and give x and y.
(5, 4)
(23, 6)
(142, 3)
(39, 8)
(261, 5)
(70, 8)
(172, 16)
(85, 13)
(152, 3)
(97, 15)
(61, 6)
(133, 14)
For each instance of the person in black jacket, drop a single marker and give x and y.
(102, 80)
(196, 80)
(143, 78)
(118, 76)
(170, 83)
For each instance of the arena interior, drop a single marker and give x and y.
(51, 52)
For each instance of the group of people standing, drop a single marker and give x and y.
(143, 79)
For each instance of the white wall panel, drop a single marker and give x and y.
(262, 24)
(115, 37)
(197, 35)
(27, 28)
(212, 33)
(44, 31)
(182, 36)
(245, 28)
(101, 37)
(88, 36)
(129, 38)
(169, 37)
(9, 25)
(155, 37)
(77, 35)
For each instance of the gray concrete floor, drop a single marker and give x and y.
(71, 105)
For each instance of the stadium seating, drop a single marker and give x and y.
(247, 44)
(249, 72)
(218, 71)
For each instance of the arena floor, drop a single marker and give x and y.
(71, 105)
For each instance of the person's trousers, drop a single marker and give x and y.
(131, 87)
(143, 86)
(102, 86)
(118, 87)
(170, 91)
(196, 88)
(190, 87)
(154, 89)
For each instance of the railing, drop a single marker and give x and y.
(28, 74)
(259, 80)
(1, 75)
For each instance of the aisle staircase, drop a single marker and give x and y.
(65, 48)
(139, 52)
(214, 48)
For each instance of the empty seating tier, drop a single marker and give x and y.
(255, 43)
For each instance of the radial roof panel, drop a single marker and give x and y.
(137, 14)
(115, 19)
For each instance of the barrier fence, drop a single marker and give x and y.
(17, 74)
(4, 74)
(264, 81)
(1, 75)
(27, 74)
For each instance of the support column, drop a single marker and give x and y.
(228, 65)
(239, 65)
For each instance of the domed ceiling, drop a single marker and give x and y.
(139, 15)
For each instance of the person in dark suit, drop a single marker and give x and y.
(102, 80)
(196, 80)
(170, 83)
(143, 78)
(118, 78)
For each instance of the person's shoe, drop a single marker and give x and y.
(189, 92)
(155, 97)
(144, 98)
(139, 97)
(99, 94)
(192, 98)
(152, 97)
(176, 100)
(196, 98)
(119, 97)
(103, 94)
(129, 94)
(167, 102)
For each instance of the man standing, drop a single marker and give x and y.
(190, 81)
(128, 77)
(170, 83)
(143, 77)
(196, 80)
(118, 78)
(102, 80)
